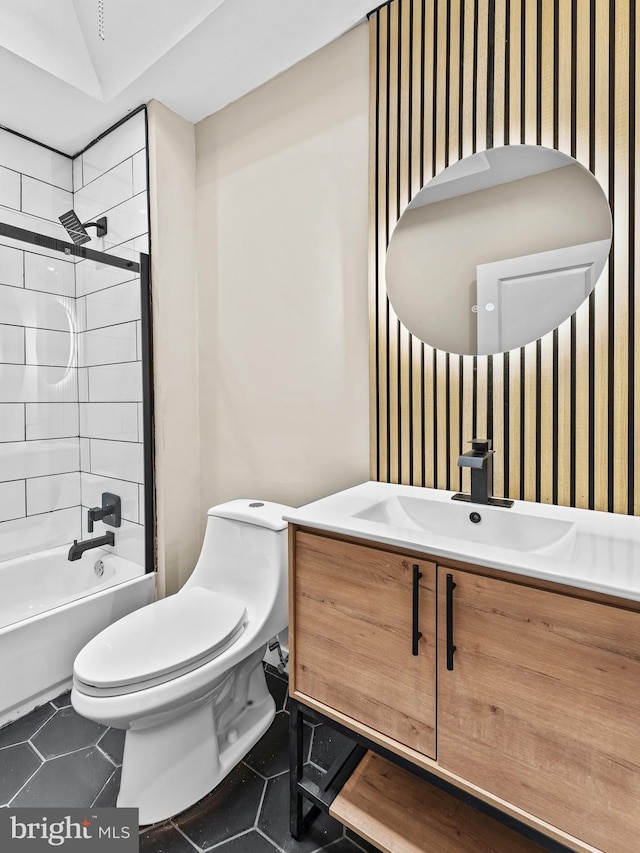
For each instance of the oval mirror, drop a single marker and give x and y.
(498, 249)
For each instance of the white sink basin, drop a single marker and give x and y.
(497, 527)
(580, 547)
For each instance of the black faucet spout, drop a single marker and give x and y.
(78, 548)
(480, 460)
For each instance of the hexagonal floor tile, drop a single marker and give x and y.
(25, 727)
(62, 701)
(66, 732)
(228, 810)
(250, 842)
(112, 742)
(164, 839)
(274, 821)
(70, 781)
(346, 846)
(270, 756)
(18, 762)
(109, 794)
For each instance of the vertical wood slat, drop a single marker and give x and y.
(545, 402)
(499, 74)
(374, 122)
(530, 72)
(382, 302)
(404, 195)
(393, 183)
(601, 294)
(620, 369)
(417, 132)
(582, 358)
(634, 239)
(564, 412)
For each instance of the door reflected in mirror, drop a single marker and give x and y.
(498, 249)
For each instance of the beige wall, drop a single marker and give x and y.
(172, 167)
(282, 283)
(433, 253)
(259, 277)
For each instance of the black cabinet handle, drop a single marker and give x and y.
(417, 574)
(450, 647)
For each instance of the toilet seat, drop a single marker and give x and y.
(159, 642)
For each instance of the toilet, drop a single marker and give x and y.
(184, 676)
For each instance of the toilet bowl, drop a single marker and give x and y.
(184, 675)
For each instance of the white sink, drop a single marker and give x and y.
(497, 527)
(580, 547)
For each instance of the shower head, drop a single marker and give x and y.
(77, 231)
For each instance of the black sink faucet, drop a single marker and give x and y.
(480, 460)
(78, 548)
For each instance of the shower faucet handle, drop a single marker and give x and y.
(110, 512)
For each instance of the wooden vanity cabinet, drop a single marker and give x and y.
(354, 638)
(538, 685)
(542, 706)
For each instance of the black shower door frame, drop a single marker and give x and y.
(143, 268)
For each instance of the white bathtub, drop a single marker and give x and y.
(49, 608)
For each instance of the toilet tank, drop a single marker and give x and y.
(245, 555)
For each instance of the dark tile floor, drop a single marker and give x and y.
(54, 757)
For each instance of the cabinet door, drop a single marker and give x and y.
(353, 637)
(542, 707)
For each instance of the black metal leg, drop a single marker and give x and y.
(296, 761)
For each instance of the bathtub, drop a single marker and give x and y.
(49, 608)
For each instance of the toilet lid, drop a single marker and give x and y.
(162, 640)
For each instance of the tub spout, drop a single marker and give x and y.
(78, 548)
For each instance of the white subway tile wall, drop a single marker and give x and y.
(12, 348)
(41, 531)
(12, 500)
(113, 383)
(12, 418)
(121, 460)
(121, 144)
(22, 459)
(11, 266)
(113, 305)
(50, 348)
(45, 494)
(28, 383)
(26, 157)
(51, 420)
(70, 344)
(109, 345)
(111, 181)
(10, 188)
(44, 200)
(111, 421)
(53, 275)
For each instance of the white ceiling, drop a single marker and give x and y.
(68, 72)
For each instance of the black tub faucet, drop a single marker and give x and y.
(78, 548)
(110, 512)
(480, 460)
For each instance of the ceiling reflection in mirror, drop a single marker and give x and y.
(498, 249)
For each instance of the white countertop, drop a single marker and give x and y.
(598, 551)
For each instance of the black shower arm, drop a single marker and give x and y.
(100, 225)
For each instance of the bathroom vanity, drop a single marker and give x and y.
(497, 661)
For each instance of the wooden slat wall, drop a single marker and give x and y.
(451, 77)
